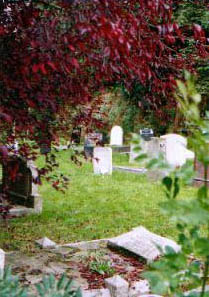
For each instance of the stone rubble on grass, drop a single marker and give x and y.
(96, 293)
(117, 286)
(139, 288)
(143, 243)
(46, 243)
(2, 261)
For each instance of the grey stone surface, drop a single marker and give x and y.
(2, 261)
(87, 245)
(117, 286)
(96, 293)
(46, 243)
(139, 288)
(102, 160)
(143, 243)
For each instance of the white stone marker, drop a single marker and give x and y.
(139, 288)
(117, 285)
(2, 261)
(102, 160)
(143, 243)
(116, 136)
(176, 152)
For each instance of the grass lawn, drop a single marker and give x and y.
(92, 207)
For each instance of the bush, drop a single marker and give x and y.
(49, 287)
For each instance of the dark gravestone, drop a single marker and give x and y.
(18, 178)
(91, 140)
(76, 136)
(146, 134)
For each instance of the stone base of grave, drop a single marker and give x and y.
(120, 149)
(131, 170)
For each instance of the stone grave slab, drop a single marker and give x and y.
(116, 136)
(143, 243)
(102, 160)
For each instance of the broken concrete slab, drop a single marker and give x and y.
(143, 243)
(96, 293)
(46, 243)
(87, 245)
(139, 288)
(117, 286)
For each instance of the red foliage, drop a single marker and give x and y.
(54, 59)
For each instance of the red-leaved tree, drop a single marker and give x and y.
(56, 55)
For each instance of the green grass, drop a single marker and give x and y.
(92, 207)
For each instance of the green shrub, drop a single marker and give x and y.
(49, 287)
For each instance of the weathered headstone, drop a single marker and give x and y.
(152, 148)
(116, 136)
(102, 160)
(91, 140)
(117, 286)
(143, 243)
(146, 133)
(21, 189)
(2, 261)
(176, 153)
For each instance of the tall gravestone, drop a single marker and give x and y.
(102, 160)
(176, 152)
(21, 188)
(116, 136)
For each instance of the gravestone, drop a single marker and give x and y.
(21, 189)
(116, 136)
(146, 134)
(143, 243)
(102, 160)
(152, 148)
(76, 136)
(91, 140)
(176, 152)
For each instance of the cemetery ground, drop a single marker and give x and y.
(93, 207)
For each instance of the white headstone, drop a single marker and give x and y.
(2, 261)
(102, 160)
(143, 243)
(116, 136)
(176, 153)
